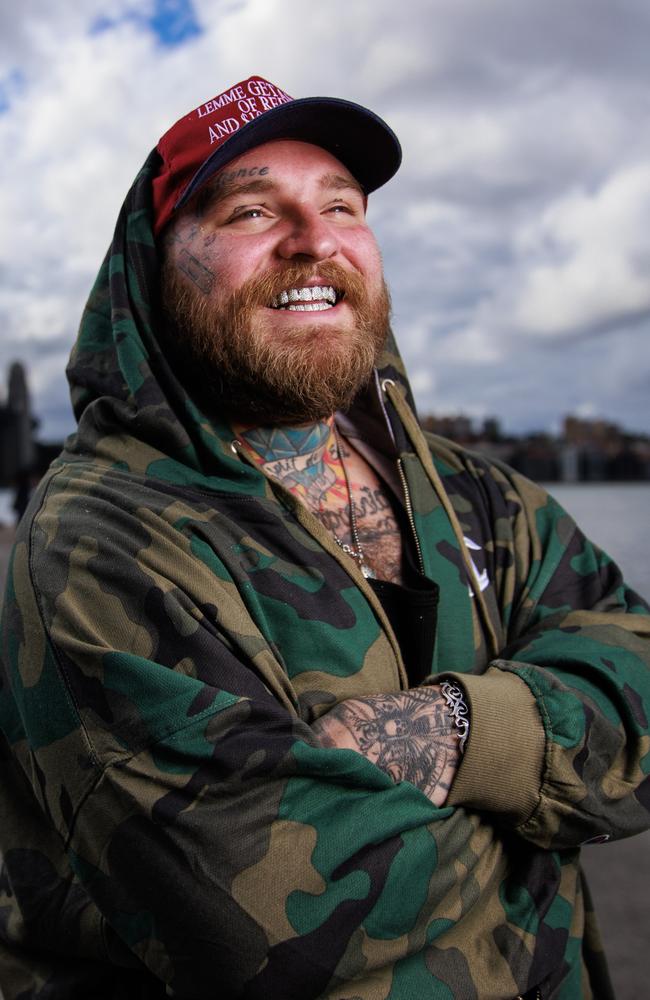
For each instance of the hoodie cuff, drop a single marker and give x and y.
(501, 769)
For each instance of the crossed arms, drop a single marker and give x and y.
(409, 735)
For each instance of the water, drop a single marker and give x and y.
(615, 516)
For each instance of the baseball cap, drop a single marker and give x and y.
(253, 112)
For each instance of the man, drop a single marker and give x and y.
(298, 703)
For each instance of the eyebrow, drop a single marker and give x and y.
(338, 182)
(217, 192)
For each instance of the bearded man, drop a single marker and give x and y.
(298, 701)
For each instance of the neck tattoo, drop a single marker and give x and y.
(306, 461)
(296, 456)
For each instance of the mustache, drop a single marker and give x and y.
(240, 370)
(264, 288)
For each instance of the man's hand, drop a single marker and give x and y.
(410, 735)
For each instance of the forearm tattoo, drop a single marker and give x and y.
(409, 735)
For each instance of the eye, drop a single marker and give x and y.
(340, 208)
(345, 209)
(247, 213)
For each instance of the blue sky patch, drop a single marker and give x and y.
(11, 86)
(172, 22)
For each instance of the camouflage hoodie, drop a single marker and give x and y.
(173, 623)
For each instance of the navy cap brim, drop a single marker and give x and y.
(360, 139)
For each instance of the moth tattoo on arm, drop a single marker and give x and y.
(408, 735)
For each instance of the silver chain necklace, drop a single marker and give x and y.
(355, 551)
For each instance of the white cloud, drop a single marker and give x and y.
(593, 250)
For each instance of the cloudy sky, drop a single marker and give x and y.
(516, 236)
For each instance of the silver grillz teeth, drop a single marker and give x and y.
(309, 298)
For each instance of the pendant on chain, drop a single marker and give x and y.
(357, 555)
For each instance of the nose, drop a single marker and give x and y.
(308, 237)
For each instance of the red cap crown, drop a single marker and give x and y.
(254, 112)
(195, 137)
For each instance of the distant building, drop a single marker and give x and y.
(585, 451)
(538, 457)
(23, 459)
(604, 450)
(17, 447)
(457, 428)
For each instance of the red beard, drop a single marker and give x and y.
(290, 376)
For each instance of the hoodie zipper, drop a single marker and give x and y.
(408, 505)
(382, 387)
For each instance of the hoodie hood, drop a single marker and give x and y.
(139, 407)
(124, 379)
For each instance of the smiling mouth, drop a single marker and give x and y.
(313, 298)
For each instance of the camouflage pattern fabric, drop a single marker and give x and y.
(173, 623)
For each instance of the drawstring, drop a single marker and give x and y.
(415, 434)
